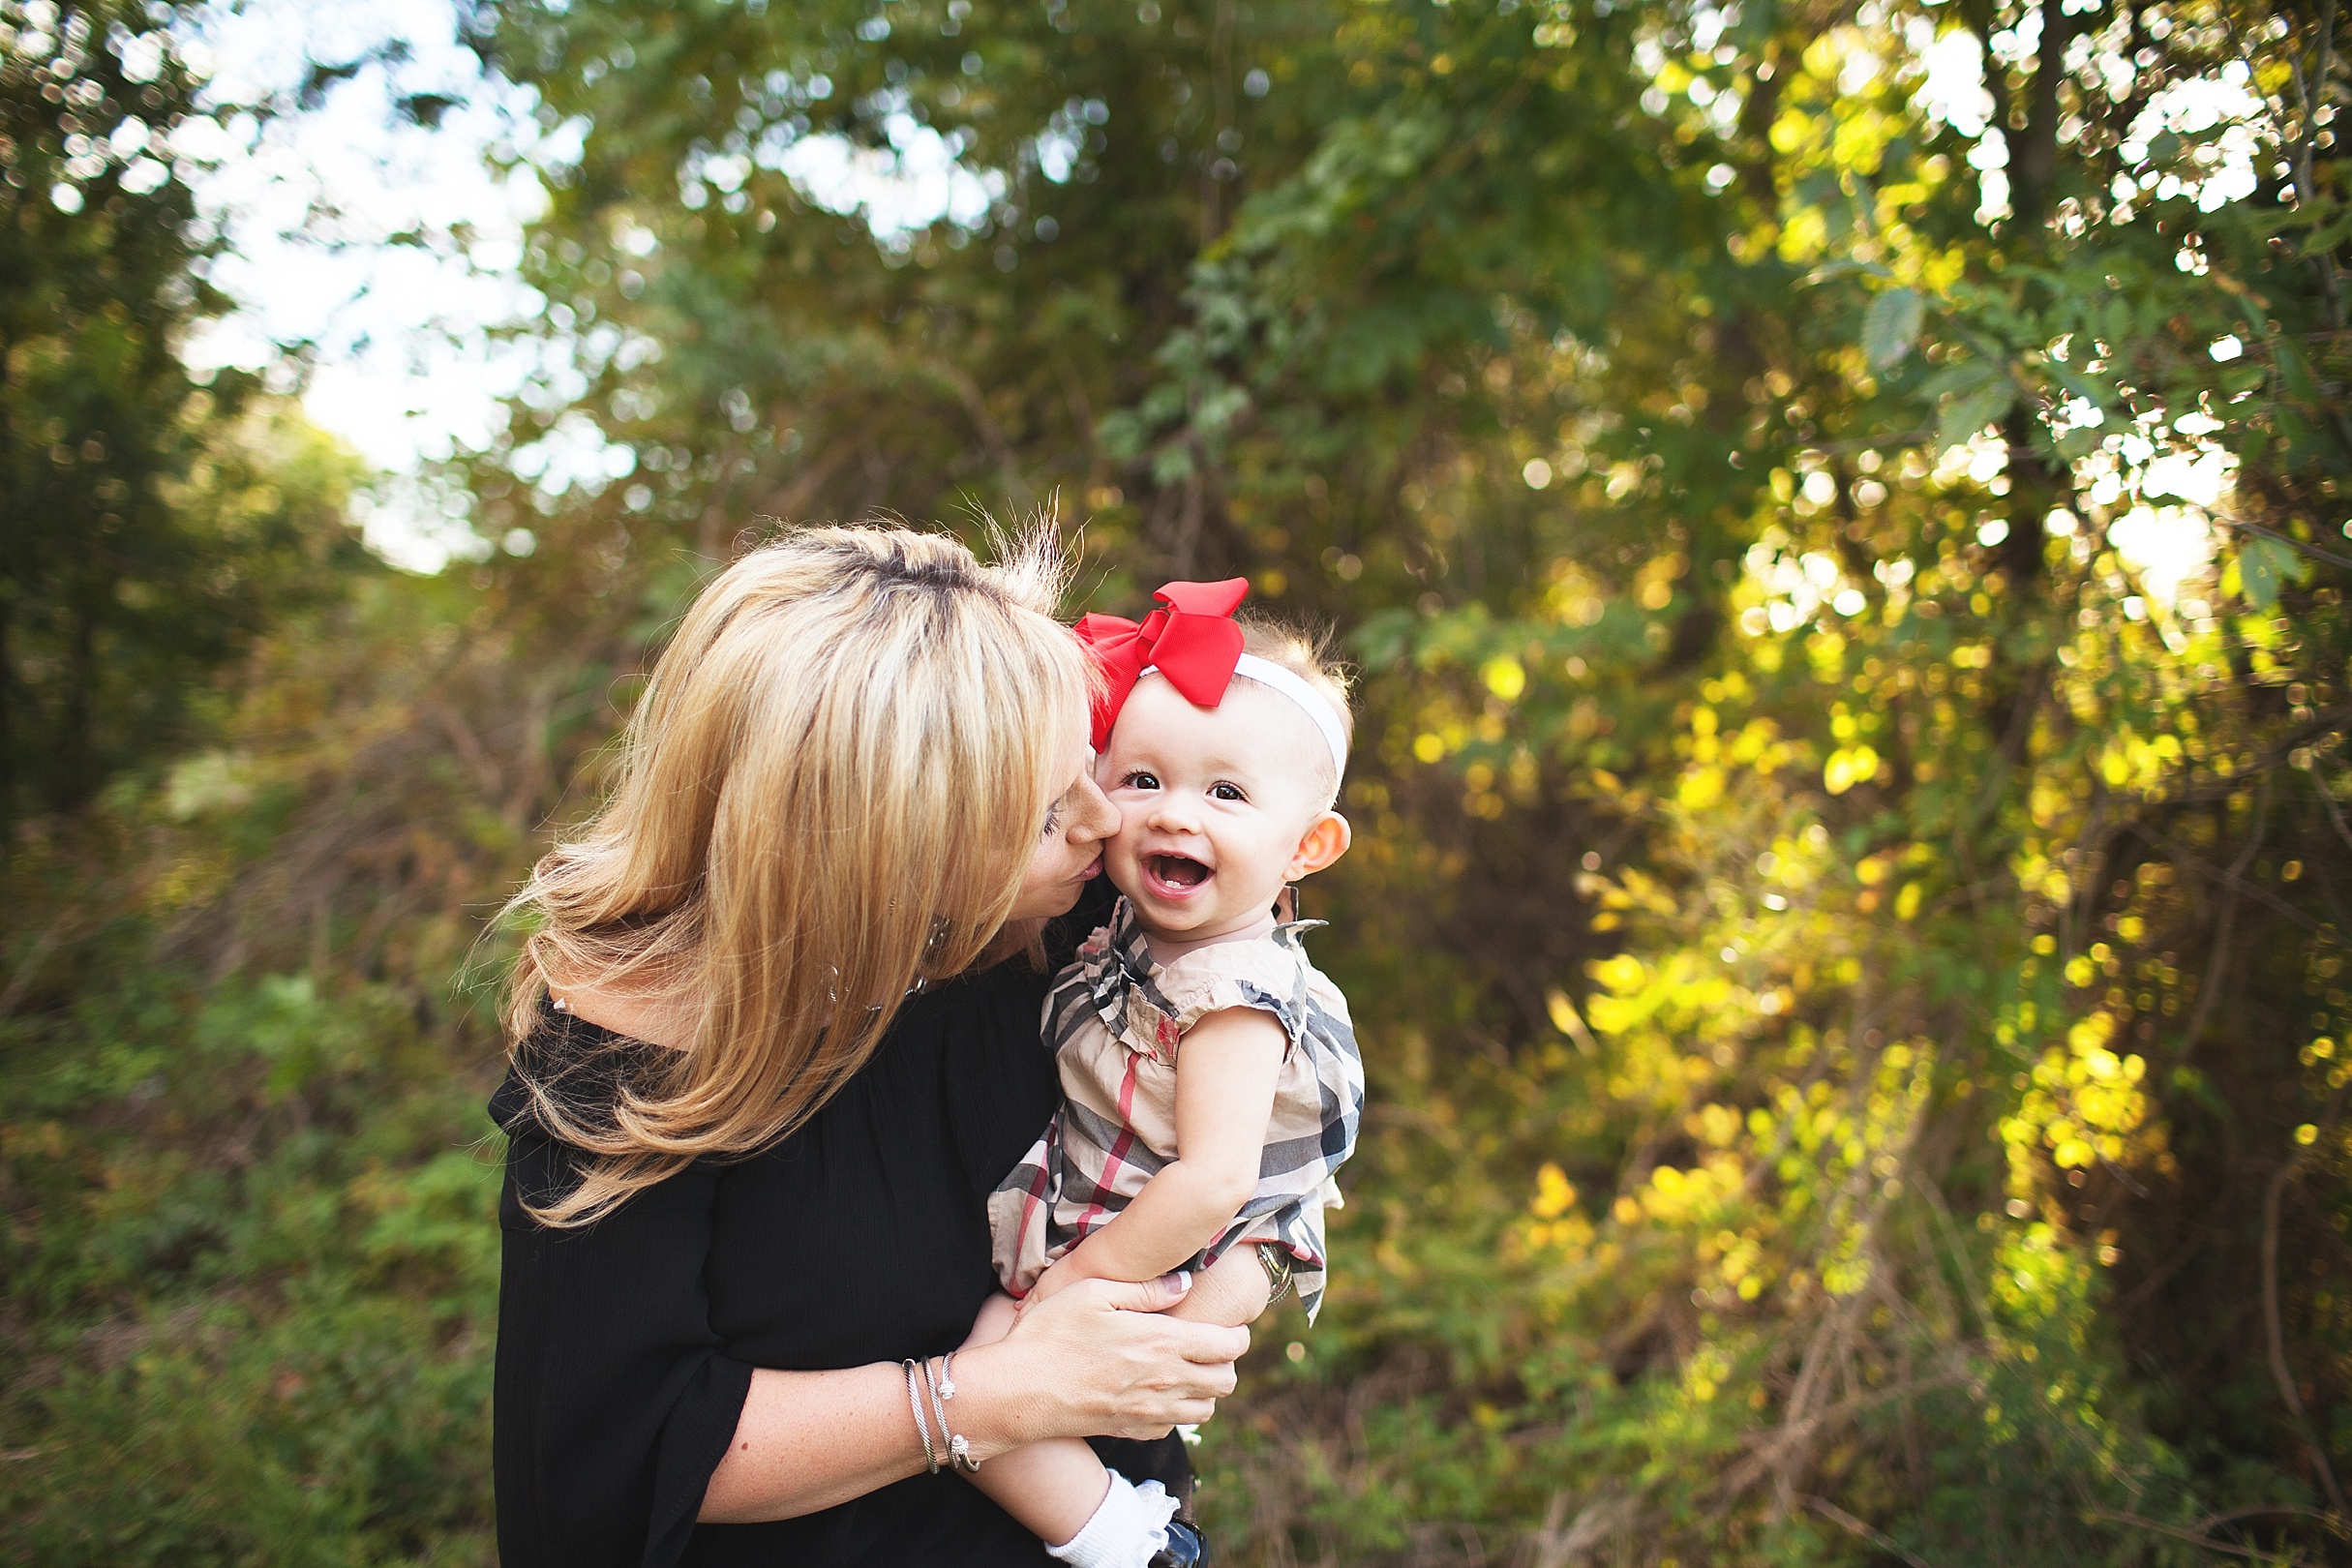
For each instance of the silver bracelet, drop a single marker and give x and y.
(960, 1447)
(922, 1427)
(939, 1407)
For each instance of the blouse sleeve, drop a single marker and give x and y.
(613, 1406)
(1236, 975)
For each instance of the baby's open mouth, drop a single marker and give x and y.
(1175, 873)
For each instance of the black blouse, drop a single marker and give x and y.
(625, 1348)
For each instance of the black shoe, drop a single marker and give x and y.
(1187, 1547)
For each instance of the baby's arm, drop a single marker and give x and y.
(1227, 1071)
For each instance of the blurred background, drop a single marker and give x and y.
(1840, 510)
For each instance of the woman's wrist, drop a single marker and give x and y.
(998, 1404)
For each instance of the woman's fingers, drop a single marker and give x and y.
(1151, 1296)
(1119, 1364)
(1206, 1344)
(1189, 1413)
(1210, 1343)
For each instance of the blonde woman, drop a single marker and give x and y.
(775, 1039)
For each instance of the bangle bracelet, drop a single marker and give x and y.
(939, 1407)
(960, 1447)
(922, 1427)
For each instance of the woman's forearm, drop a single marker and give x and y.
(1098, 1359)
(808, 1440)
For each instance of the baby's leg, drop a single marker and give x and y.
(1231, 1294)
(1053, 1486)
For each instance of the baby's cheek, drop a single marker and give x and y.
(1119, 852)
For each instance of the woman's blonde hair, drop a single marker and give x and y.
(829, 793)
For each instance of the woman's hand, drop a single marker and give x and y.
(1059, 1276)
(1101, 1358)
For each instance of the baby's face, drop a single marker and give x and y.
(1213, 804)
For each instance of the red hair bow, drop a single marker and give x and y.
(1190, 639)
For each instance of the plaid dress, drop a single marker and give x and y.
(1116, 1021)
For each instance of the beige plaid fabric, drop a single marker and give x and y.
(1116, 1021)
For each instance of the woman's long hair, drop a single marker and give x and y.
(829, 792)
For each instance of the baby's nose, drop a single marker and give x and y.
(1171, 810)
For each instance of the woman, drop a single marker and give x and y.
(768, 1066)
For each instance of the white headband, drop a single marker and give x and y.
(1267, 673)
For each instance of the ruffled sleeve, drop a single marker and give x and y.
(1258, 973)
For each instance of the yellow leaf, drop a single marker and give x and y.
(1554, 1192)
(1699, 789)
(1623, 973)
(1565, 1018)
(1504, 677)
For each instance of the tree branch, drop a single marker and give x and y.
(1853, 1526)
(2274, 1324)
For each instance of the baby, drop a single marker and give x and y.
(1210, 1072)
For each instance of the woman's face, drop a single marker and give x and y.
(1069, 841)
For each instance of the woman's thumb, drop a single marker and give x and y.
(1151, 1296)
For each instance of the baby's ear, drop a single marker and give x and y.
(1324, 842)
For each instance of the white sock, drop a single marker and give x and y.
(1129, 1525)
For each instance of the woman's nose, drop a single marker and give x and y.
(1095, 817)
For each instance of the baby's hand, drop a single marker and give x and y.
(1059, 1274)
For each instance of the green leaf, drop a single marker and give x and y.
(1891, 325)
(1966, 376)
(2265, 566)
(1964, 416)
(1385, 638)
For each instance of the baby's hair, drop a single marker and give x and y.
(1306, 654)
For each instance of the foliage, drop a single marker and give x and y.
(1847, 917)
(145, 547)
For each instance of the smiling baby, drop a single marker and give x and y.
(1210, 1070)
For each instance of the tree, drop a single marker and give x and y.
(1840, 509)
(1746, 456)
(144, 549)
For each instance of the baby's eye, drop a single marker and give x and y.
(1140, 780)
(1226, 792)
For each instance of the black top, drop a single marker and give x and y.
(625, 1348)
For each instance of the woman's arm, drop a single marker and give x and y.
(614, 1396)
(1096, 1361)
(1227, 1071)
